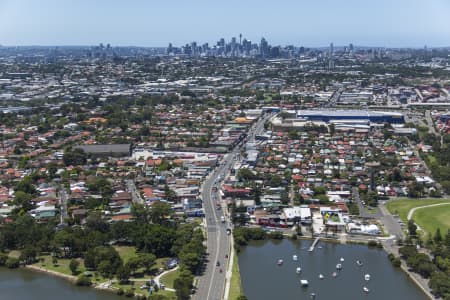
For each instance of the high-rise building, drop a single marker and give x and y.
(263, 47)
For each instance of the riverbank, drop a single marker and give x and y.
(421, 282)
(104, 286)
(71, 278)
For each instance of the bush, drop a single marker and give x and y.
(83, 280)
(129, 293)
(120, 292)
(3, 259)
(276, 235)
(12, 263)
(397, 262)
(372, 243)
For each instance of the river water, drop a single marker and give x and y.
(23, 284)
(263, 279)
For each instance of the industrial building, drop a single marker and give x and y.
(351, 116)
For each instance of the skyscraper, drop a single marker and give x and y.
(263, 47)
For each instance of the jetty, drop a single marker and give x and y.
(311, 249)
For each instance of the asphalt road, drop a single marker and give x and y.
(211, 283)
(63, 203)
(135, 196)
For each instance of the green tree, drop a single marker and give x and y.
(28, 255)
(438, 236)
(183, 285)
(123, 274)
(74, 157)
(73, 265)
(412, 228)
(133, 264)
(141, 213)
(23, 200)
(160, 211)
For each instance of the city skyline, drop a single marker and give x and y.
(383, 24)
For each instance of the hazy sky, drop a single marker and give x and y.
(390, 23)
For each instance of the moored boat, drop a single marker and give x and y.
(298, 270)
(321, 276)
(304, 282)
(342, 259)
(294, 257)
(280, 262)
(367, 277)
(359, 263)
(365, 289)
(339, 266)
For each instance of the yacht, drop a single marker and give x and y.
(294, 257)
(304, 282)
(298, 270)
(342, 259)
(339, 266)
(321, 276)
(367, 277)
(359, 263)
(365, 289)
(280, 262)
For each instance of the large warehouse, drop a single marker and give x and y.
(351, 115)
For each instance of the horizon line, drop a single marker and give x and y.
(279, 45)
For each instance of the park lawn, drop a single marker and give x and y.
(61, 267)
(432, 218)
(14, 253)
(169, 278)
(403, 206)
(126, 252)
(235, 284)
(432, 159)
(136, 286)
(161, 263)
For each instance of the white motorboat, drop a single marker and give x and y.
(321, 276)
(304, 282)
(298, 270)
(367, 277)
(366, 290)
(342, 259)
(339, 266)
(294, 257)
(280, 262)
(359, 263)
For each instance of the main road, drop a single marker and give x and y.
(211, 283)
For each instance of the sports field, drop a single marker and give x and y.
(431, 218)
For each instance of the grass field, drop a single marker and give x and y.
(235, 285)
(62, 266)
(403, 206)
(169, 278)
(126, 252)
(432, 218)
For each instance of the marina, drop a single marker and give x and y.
(264, 280)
